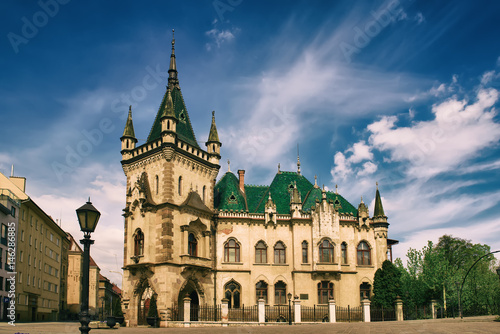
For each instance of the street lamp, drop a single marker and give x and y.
(459, 306)
(88, 216)
(289, 308)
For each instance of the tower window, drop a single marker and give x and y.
(139, 243)
(192, 245)
(179, 190)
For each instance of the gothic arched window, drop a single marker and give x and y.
(261, 291)
(231, 251)
(279, 253)
(192, 245)
(326, 251)
(305, 251)
(280, 293)
(364, 254)
(343, 255)
(325, 292)
(232, 292)
(138, 243)
(261, 252)
(179, 190)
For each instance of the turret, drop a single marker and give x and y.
(380, 228)
(128, 138)
(295, 202)
(270, 211)
(169, 120)
(213, 144)
(363, 210)
(378, 212)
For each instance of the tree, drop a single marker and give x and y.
(117, 308)
(386, 285)
(153, 310)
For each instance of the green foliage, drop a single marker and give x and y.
(434, 271)
(117, 308)
(386, 285)
(153, 309)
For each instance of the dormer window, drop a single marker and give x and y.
(232, 199)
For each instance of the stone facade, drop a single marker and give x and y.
(186, 236)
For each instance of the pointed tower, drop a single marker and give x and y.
(128, 138)
(168, 120)
(380, 225)
(213, 144)
(172, 70)
(362, 210)
(295, 202)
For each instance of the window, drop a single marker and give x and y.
(204, 193)
(22, 235)
(30, 241)
(36, 244)
(57, 241)
(325, 292)
(192, 245)
(4, 235)
(261, 252)
(279, 253)
(157, 186)
(21, 256)
(305, 252)
(179, 190)
(51, 237)
(1, 253)
(364, 291)
(233, 294)
(1, 283)
(343, 250)
(326, 251)
(28, 281)
(364, 258)
(13, 212)
(261, 291)
(231, 251)
(139, 243)
(280, 293)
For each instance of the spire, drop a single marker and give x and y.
(168, 111)
(228, 166)
(298, 160)
(316, 181)
(172, 71)
(379, 210)
(213, 136)
(129, 125)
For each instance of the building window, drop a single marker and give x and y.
(22, 235)
(325, 292)
(204, 193)
(279, 253)
(343, 250)
(139, 243)
(192, 245)
(261, 291)
(364, 256)
(305, 252)
(4, 235)
(179, 190)
(13, 212)
(280, 293)
(231, 251)
(261, 252)
(326, 251)
(233, 294)
(364, 291)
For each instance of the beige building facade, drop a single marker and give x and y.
(187, 236)
(40, 262)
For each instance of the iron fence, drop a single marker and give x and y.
(349, 314)
(175, 315)
(277, 313)
(316, 313)
(383, 314)
(244, 314)
(417, 312)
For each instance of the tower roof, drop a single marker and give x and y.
(184, 129)
(129, 125)
(213, 136)
(168, 111)
(379, 209)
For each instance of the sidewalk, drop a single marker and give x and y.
(484, 324)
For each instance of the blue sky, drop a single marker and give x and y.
(400, 92)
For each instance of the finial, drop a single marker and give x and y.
(228, 166)
(12, 171)
(315, 180)
(376, 184)
(270, 196)
(89, 200)
(130, 108)
(213, 113)
(337, 189)
(298, 160)
(279, 168)
(173, 37)
(361, 199)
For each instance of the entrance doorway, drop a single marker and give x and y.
(143, 306)
(189, 291)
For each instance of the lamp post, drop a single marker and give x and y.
(88, 216)
(459, 306)
(289, 308)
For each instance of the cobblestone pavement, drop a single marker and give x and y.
(468, 325)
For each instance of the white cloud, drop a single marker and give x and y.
(419, 18)
(489, 77)
(458, 132)
(368, 168)
(220, 36)
(357, 153)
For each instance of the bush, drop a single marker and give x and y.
(153, 309)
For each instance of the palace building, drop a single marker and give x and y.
(188, 235)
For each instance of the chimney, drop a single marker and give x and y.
(241, 174)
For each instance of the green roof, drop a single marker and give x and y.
(228, 195)
(184, 129)
(255, 197)
(379, 209)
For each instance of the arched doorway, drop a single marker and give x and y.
(189, 291)
(143, 305)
